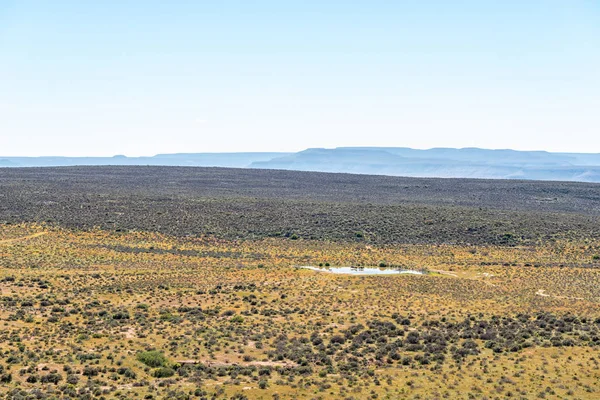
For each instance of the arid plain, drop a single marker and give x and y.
(138, 282)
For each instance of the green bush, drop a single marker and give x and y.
(163, 372)
(153, 359)
(237, 319)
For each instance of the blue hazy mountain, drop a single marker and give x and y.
(232, 160)
(443, 163)
(398, 161)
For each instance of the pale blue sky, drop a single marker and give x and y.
(139, 77)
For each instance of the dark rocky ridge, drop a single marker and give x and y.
(250, 204)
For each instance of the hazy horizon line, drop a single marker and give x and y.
(303, 149)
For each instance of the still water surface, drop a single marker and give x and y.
(363, 271)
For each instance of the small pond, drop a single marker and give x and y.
(363, 270)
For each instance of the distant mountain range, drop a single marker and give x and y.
(397, 161)
(233, 160)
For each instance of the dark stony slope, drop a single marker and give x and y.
(245, 203)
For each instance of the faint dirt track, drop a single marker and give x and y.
(9, 241)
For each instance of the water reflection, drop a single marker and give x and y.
(364, 270)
